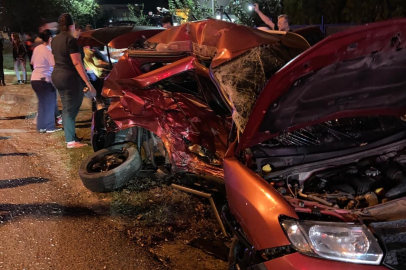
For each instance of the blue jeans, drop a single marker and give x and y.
(46, 94)
(70, 89)
(17, 63)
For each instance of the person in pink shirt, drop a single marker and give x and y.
(43, 62)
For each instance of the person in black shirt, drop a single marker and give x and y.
(67, 77)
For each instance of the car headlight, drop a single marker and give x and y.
(335, 241)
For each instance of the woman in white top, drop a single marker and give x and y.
(43, 62)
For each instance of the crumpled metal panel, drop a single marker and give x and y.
(147, 79)
(183, 121)
(125, 68)
(224, 37)
(180, 120)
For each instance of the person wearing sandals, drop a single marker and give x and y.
(43, 62)
(68, 76)
(19, 57)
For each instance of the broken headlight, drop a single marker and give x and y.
(335, 241)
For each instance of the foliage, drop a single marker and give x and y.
(363, 12)
(82, 11)
(343, 11)
(21, 15)
(245, 16)
(196, 10)
(397, 8)
(137, 15)
(24, 16)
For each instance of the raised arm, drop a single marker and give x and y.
(263, 17)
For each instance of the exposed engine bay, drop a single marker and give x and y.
(348, 180)
(364, 184)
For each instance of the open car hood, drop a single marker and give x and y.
(358, 72)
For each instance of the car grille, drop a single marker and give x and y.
(392, 235)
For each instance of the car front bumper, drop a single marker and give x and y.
(297, 261)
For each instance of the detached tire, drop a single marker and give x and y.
(111, 168)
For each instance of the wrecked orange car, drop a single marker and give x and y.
(311, 140)
(163, 98)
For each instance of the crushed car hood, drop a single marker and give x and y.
(221, 41)
(354, 73)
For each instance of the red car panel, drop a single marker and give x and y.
(351, 44)
(256, 205)
(298, 261)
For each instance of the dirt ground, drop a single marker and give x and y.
(49, 220)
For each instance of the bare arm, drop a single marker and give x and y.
(77, 62)
(263, 17)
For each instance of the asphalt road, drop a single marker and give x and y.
(48, 220)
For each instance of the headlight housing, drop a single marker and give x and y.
(335, 241)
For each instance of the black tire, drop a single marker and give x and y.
(125, 166)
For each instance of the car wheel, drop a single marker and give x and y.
(111, 168)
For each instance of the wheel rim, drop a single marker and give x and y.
(108, 161)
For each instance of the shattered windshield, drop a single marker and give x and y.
(242, 79)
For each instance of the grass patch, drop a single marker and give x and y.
(76, 157)
(161, 213)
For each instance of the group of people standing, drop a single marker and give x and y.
(57, 65)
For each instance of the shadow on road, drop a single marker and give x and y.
(4, 138)
(12, 211)
(84, 121)
(89, 125)
(14, 117)
(12, 183)
(16, 154)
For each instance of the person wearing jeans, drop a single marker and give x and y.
(19, 56)
(67, 77)
(43, 62)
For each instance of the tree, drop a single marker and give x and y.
(312, 11)
(21, 15)
(247, 16)
(24, 16)
(396, 8)
(332, 10)
(303, 11)
(82, 11)
(136, 14)
(194, 9)
(365, 11)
